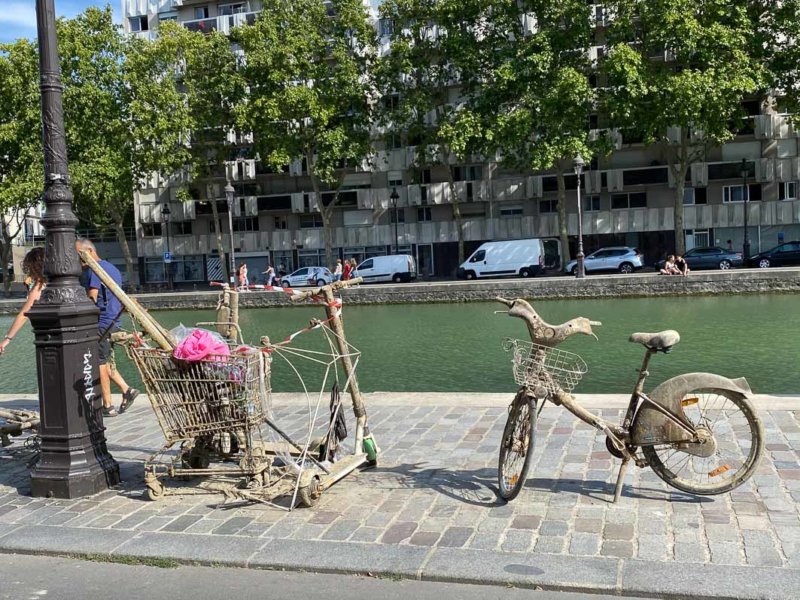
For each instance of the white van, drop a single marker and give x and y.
(502, 259)
(396, 267)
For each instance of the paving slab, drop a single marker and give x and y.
(721, 582)
(522, 569)
(341, 557)
(36, 539)
(192, 548)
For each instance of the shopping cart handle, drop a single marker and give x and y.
(336, 285)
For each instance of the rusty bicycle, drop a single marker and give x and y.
(698, 432)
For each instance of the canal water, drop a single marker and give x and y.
(458, 347)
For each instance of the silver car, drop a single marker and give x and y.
(623, 259)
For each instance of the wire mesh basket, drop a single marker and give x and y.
(535, 365)
(222, 393)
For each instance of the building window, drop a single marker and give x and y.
(164, 18)
(154, 271)
(511, 211)
(138, 23)
(395, 183)
(386, 27)
(188, 268)
(281, 223)
(591, 203)
(245, 224)
(312, 221)
(735, 193)
(467, 173)
(424, 214)
(311, 258)
(632, 200)
(231, 9)
(201, 12)
(182, 228)
(401, 215)
(548, 206)
(787, 190)
(426, 176)
(151, 229)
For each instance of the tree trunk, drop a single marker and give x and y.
(5, 257)
(456, 202)
(563, 233)
(119, 227)
(220, 245)
(326, 212)
(681, 165)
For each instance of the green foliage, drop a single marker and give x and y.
(307, 67)
(21, 171)
(710, 66)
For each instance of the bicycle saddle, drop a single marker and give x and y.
(663, 341)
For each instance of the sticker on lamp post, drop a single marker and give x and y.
(167, 257)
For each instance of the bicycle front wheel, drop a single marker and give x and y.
(734, 439)
(516, 447)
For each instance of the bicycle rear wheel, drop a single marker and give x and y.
(516, 447)
(736, 442)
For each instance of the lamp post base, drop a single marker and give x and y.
(74, 460)
(580, 272)
(746, 251)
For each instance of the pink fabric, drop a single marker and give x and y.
(199, 345)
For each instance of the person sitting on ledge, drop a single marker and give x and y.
(669, 266)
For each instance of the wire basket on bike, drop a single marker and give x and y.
(541, 366)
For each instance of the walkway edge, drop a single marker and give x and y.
(669, 581)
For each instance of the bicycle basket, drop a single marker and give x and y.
(535, 366)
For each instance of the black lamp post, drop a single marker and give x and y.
(577, 164)
(745, 199)
(74, 460)
(229, 192)
(394, 197)
(165, 213)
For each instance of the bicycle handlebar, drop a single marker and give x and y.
(541, 332)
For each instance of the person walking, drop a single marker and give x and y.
(33, 267)
(270, 275)
(108, 324)
(346, 271)
(244, 282)
(338, 270)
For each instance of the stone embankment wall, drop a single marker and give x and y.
(609, 286)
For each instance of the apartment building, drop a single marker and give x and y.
(627, 197)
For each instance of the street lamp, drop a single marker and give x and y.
(577, 164)
(745, 198)
(165, 213)
(229, 192)
(73, 459)
(394, 197)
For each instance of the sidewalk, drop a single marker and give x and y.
(429, 510)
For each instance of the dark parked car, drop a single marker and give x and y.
(781, 255)
(710, 257)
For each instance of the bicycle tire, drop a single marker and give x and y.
(519, 432)
(741, 474)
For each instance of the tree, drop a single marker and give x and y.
(306, 64)
(124, 119)
(21, 170)
(427, 83)
(209, 76)
(536, 83)
(677, 73)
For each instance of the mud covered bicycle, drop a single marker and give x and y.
(698, 431)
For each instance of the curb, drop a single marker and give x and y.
(617, 576)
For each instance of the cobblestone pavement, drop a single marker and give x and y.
(429, 510)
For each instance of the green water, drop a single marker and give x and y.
(457, 347)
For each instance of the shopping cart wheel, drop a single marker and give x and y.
(309, 494)
(155, 490)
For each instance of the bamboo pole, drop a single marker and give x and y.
(160, 335)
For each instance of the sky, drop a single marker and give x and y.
(18, 17)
